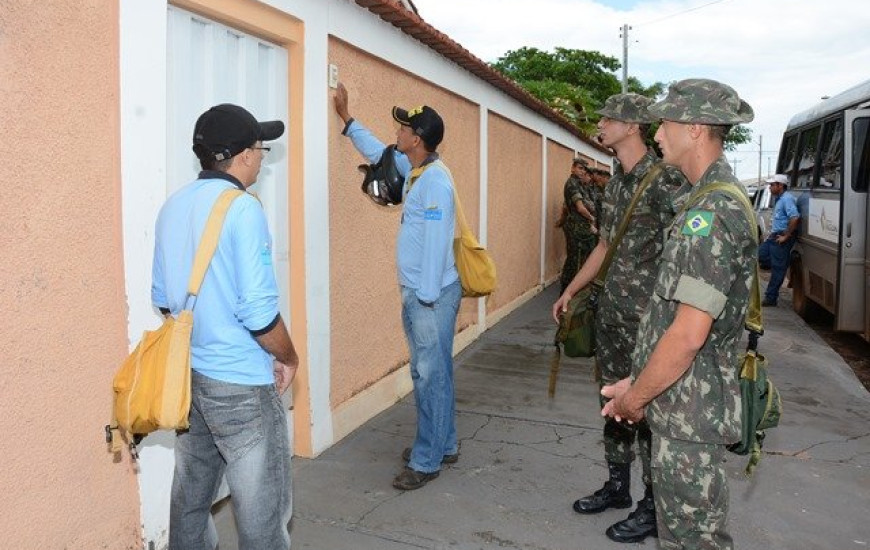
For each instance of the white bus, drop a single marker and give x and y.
(826, 154)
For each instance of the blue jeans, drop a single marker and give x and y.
(777, 257)
(429, 331)
(240, 430)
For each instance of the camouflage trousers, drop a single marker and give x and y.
(691, 495)
(613, 363)
(579, 243)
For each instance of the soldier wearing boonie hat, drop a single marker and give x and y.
(684, 379)
(580, 207)
(627, 288)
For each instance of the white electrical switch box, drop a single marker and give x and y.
(333, 76)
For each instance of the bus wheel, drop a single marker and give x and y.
(796, 281)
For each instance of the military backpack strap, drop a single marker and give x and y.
(653, 173)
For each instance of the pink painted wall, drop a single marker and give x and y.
(366, 330)
(514, 192)
(62, 292)
(559, 160)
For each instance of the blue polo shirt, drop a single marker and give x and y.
(424, 249)
(784, 210)
(239, 293)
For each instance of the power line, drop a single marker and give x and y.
(681, 12)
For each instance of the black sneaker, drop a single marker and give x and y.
(768, 303)
(448, 459)
(409, 479)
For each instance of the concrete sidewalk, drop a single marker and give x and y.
(525, 458)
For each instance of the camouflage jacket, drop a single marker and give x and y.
(708, 263)
(629, 281)
(574, 191)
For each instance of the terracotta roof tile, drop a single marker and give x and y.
(393, 12)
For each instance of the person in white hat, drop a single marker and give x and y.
(775, 252)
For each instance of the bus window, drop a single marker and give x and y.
(860, 154)
(831, 169)
(806, 157)
(786, 165)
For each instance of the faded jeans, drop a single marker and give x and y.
(241, 431)
(777, 257)
(429, 331)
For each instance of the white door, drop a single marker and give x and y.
(207, 64)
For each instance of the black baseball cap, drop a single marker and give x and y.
(425, 122)
(226, 130)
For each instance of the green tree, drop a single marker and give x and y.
(573, 82)
(739, 134)
(576, 83)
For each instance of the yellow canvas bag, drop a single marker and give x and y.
(152, 387)
(473, 263)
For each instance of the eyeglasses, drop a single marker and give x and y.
(264, 149)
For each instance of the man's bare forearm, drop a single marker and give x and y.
(277, 342)
(672, 356)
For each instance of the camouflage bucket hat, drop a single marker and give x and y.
(702, 101)
(627, 108)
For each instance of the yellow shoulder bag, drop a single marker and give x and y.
(473, 263)
(152, 387)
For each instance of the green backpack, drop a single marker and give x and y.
(762, 404)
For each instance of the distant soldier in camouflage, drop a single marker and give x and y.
(578, 219)
(629, 283)
(685, 365)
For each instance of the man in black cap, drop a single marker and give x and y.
(242, 357)
(429, 281)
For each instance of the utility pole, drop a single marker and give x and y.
(734, 163)
(624, 35)
(760, 138)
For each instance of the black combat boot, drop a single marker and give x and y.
(614, 494)
(639, 524)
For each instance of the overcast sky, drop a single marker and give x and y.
(781, 56)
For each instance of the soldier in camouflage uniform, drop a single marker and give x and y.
(578, 219)
(685, 376)
(627, 288)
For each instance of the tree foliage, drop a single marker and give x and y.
(739, 134)
(576, 83)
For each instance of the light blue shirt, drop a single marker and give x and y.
(424, 251)
(239, 293)
(784, 210)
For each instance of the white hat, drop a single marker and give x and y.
(779, 178)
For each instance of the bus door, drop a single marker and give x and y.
(853, 223)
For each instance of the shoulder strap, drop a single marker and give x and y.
(654, 171)
(754, 322)
(457, 204)
(209, 241)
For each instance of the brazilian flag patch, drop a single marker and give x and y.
(698, 222)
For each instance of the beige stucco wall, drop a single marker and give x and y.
(62, 292)
(514, 192)
(367, 341)
(559, 160)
